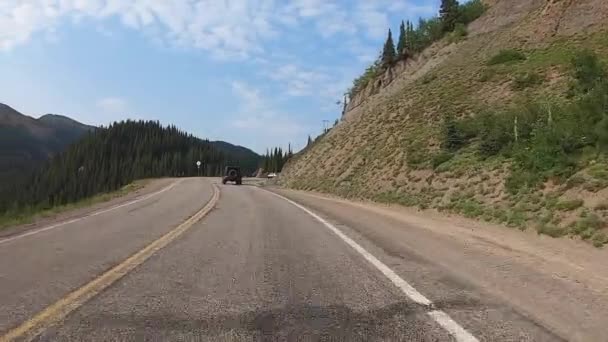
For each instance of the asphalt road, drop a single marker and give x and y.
(256, 267)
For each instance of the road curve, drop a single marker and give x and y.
(257, 267)
(37, 270)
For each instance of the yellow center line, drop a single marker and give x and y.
(53, 314)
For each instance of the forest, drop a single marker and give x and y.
(109, 158)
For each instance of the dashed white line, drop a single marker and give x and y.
(65, 223)
(458, 332)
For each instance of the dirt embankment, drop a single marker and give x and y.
(388, 147)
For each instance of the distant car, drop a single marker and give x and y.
(232, 174)
(271, 175)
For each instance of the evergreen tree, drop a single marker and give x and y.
(388, 53)
(449, 13)
(309, 142)
(402, 44)
(410, 38)
(110, 158)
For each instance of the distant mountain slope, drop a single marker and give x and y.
(25, 141)
(112, 157)
(243, 156)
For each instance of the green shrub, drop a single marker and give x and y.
(516, 218)
(495, 133)
(470, 11)
(526, 80)
(587, 225)
(570, 204)
(441, 158)
(522, 179)
(599, 239)
(506, 56)
(588, 71)
(551, 230)
(575, 181)
(460, 32)
(453, 137)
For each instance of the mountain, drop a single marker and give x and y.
(25, 139)
(64, 124)
(504, 120)
(109, 158)
(243, 156)
(26, 142)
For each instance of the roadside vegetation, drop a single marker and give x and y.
(274, 159)
(451, 22)
(15, 218)
(548, 140)
(501, 131)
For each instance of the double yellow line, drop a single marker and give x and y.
(55, 313)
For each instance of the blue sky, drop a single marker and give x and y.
(258, 73)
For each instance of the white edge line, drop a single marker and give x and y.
(453, 328)
(65, 223)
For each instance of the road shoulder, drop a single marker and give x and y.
(556, 282)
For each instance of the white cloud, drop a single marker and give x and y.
(113, 105)
(228, 29)
(373, 18)
(257, 114)
(299, 82)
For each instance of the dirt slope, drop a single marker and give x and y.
(382, 148)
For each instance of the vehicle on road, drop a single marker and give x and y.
(272, 175)
(232, 174)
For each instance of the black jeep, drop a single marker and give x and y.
(232, 174)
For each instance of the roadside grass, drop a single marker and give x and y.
(525, 80)
(507, 56)
(569, 205)
(27, 216)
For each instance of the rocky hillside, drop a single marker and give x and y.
(508, 125)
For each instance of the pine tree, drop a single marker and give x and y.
(401, 45)
(309, 142)
(388, 53)
(410, 35)
(109, 158)
(449, 14)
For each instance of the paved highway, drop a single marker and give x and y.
(202, 261)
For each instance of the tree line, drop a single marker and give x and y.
(109, 158)
(412, 40)
(275, 159)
